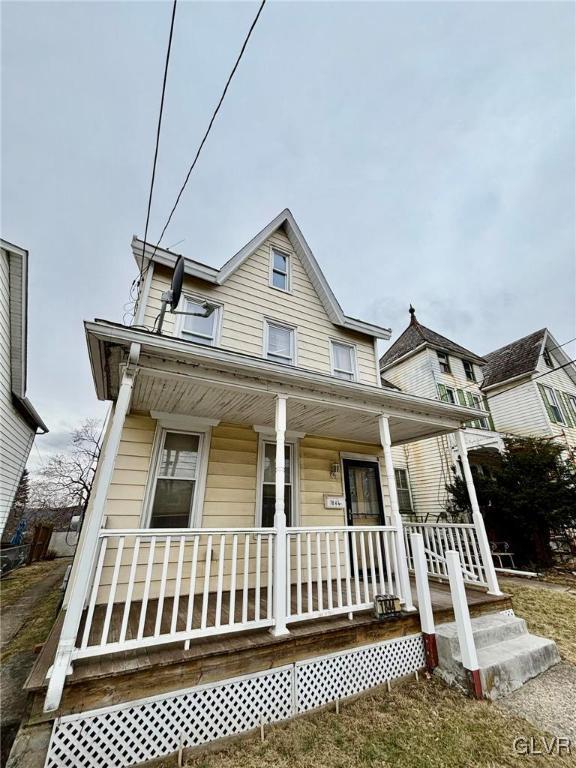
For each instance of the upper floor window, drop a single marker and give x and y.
(572, 404)
(403, 489)
(479, 423)
(279, 342)
(447, 394)
(469, 370)
(202, 326)
(443, 362)
(343, 358)
(175, 481)
(547, 358)
(280, 270)
(552, 405)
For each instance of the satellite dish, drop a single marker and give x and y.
(176, 285)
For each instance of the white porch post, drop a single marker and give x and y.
(87, 555)
(280, 585)
(477, 519)
(403, 574)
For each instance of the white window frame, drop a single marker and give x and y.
(439, 355)
(408, 487)
(197, 338)
(354, 370)
(546, 354)
(288, 258)
(478, 403)
(264, 438)
(454, 401)
(187, 426)
(268, 321)
(572, 403)
(471, 364)
(554, 404)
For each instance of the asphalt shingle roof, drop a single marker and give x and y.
(514, 359)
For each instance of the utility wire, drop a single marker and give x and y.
(158, 130)
(205, 137)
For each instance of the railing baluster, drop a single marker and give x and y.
(309, 572)
(178, 585)
(299, 573)
(348, 571)
(320, 596)
(112, 593)
(477, 559)
(355, 566)
(148, 579)
(192, 588)
(163, 579)
(288, 575)
(373, 578)
(206, 593)
(95, 587)
(270, 577)
(258, 566)
(388, 562)
(338, 568)
(378, 540)
(234, 565)
(329, 572)
(246, 577)
(364, 567)
(130, 589)
(220, 584)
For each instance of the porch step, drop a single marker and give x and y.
(508, 655)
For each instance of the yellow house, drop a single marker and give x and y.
(245, 500)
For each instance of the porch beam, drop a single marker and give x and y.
(87, 552)
(280, 586)
(477, 519)
(404, 577)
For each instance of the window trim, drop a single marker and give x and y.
(571, 404)
(354, 349)
(447, 356)
(547, 357)
(294, 443)
(205, 437)
(271, 270)
(268, 321)
(479, 404)
(197, 338)
(471, 364)
(448, 389)
(553, 402)
(408, 488)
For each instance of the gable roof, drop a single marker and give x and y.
(416, 337)
(143, 252)
(18, 313)
(521, 357)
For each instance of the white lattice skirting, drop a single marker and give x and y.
(128, 734)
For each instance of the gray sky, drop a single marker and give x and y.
(426, 150)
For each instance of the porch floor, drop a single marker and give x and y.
(124, 676)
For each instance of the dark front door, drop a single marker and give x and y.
(364, 504)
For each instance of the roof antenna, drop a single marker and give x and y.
(412, 311)
(172, 297)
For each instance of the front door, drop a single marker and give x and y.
(364, 504)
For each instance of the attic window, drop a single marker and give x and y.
(279, 270)
(547, 358)
(469, 370)
(443, 362)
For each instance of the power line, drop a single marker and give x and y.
(158, 129)
(205, 137)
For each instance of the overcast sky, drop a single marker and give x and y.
(426, 150)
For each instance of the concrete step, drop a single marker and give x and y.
(487, 630)
(508, 655)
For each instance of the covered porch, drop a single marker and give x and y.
(137, 589)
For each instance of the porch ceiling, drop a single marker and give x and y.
(180, 378)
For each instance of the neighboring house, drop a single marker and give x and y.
(245, 484)
(19, 422)
(531, 386)
(428, 364)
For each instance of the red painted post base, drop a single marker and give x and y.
(431, 651)
(476, 684)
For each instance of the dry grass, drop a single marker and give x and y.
(17, 583)
(37, 629)
(417, 725)
(549, 613)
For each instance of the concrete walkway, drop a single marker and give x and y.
(548, 701)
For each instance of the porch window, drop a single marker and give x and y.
(268, 497)
(404, 498)
(279, 343)
(280, 270)
(469, 370)
(447, 394)
(198, 327)
(444, 362)
(552, 405)
(343, 360)
(176, 480)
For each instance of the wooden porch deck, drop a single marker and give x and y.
(128, 675)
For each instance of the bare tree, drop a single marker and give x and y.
(67, 478)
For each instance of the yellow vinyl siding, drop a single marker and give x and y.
(247, 299)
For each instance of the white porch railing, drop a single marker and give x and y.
(158, 586)
(442, 537)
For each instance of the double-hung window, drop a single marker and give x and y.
(280, 270)
(279, 343)
(343, 360)
(553, 405)
(443, 362)
(175, 480)
(479, 423)
(547, 358)
(268, 490)
(447, 394)
(202, 325)
(403, 489)
(469, 370)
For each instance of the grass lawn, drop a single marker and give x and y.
(17, 583)
(417, 725)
